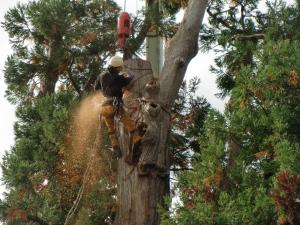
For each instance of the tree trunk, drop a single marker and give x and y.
(143, 176)
(50, 78)
(48, 84)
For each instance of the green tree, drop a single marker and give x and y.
(247, 171)
(33, 160)
(188, 115)
(59, 48)
(55, 41)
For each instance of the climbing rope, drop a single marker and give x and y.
(124, 5)
(136, 7)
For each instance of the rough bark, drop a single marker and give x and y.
(143, 176)
(48, 83)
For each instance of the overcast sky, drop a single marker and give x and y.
(199, 66)
(7, 113)
(6, 110)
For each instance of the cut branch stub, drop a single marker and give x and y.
(145, 112)
(152, 89)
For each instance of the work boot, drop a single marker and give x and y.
(117, 153)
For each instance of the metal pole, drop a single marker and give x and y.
(154, 44)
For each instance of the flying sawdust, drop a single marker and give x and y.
(83, 143)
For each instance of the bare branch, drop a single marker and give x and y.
(250, 36)
(181, 169)
(182, 48)
(73, 82)
(223, 22)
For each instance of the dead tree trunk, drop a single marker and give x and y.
(143, 175)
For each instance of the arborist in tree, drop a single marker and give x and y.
(111, 82)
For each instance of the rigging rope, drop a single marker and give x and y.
(124, 5)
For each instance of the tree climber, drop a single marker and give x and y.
(111, 82)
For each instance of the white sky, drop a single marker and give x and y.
(7, 112)
(199, 66)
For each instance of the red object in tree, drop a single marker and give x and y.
(124, 28)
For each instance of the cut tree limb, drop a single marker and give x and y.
(182, 48)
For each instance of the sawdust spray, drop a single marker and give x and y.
(83, 142)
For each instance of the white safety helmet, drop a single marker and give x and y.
(116, 61)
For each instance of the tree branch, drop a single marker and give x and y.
(181, 169)
(242, 19)
(223, 22)
(249, 36)
(182, 48)
(88, 86)
(73, 82)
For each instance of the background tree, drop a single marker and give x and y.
(59, 48)
(188, 115)
(249, 158)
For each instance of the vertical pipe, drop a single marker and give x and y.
(154, 43)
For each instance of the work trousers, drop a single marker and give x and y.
(108, 112)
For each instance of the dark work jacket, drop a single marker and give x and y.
(111, 83)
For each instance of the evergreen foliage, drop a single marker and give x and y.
(247, 171)
(29, 169)
(188, 115)
(59, 47)
(65, 41)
